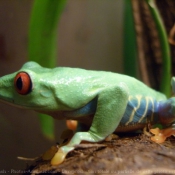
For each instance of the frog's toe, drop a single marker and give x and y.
(155, 131)
(161, 135)
(158, 135)
(58, 158)
(158, 138)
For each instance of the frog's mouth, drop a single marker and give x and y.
(11, 102)
(6, 100)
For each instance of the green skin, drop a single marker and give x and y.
(57, 90)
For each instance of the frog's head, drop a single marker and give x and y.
(28, 88)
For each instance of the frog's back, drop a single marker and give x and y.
(104, 79)
(134, 86)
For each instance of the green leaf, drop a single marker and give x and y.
(42, 46)
(130, 44)
(165, 48)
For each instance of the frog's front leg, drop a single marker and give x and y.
(111, 106)
(77, 138)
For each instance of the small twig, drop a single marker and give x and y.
(28, 159)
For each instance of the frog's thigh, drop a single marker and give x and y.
(110, 110)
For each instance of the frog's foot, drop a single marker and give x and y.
(161, 135)
(158, 136)
(59, 157)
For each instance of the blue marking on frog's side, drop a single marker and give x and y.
(139, 110)
(86, 110)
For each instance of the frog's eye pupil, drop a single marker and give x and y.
(19, 83)
(23, 83)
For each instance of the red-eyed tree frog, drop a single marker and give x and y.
(104, 101)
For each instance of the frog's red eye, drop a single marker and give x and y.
(23, 83)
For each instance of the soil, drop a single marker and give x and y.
(129, 154)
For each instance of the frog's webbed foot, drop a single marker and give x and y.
(59, 157)
(160, 135)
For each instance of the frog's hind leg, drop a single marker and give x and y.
(166, 116)
(166, 111)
